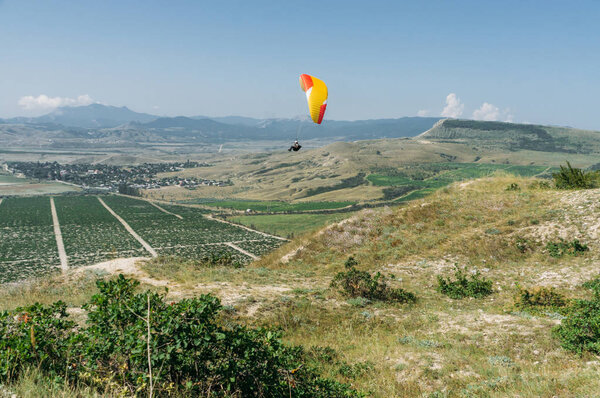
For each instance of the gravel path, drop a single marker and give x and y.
(62, 254)
(252, 256)
(246, 228)
(165, 211)
(130, 230)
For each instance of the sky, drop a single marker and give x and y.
(522, 61)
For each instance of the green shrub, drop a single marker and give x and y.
(463, 286)
(560, 248)
(34, 335)
(352, 371)
(183, 343)
(540, 297)
(354, 283)
(219, 260)
(513, 187)
(580, 330)
(573, 178)
(540, 184)
(593, 284)
(523, 244)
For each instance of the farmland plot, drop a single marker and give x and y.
(193, 236)
(259, 247)
(91, 234)
(27, 241)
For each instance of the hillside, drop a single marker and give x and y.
(333, 172)
(514, 137)
(438, 346)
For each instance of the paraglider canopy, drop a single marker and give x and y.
(316, 95)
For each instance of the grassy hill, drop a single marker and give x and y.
(515, 137)
(501, 227)
(361, 170)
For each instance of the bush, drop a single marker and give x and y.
(355, 283)
(540, 297)
(219, 260)
(573, 178)
(523, 245)
(34, 335)
(513, 187)
(593, 284)
(463, 287)
(580, 330)
(182, 343)
(560, 248)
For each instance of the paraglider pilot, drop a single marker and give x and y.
(295, 146)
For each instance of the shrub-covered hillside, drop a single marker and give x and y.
(487, 288)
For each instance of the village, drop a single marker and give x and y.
(112, 178)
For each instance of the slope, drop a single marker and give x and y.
(437, 346)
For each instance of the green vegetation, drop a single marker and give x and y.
(593, 284)
(573, 178)
(91, 234)
(268, 206)
(288, 225)
(540, 298)
(350, 182)
(27, 243)
(354, 283)
(560, 248)
(580, 330)
(462, 287)
(193, 236)
(437, 347)
(420, 180)
(186, 350)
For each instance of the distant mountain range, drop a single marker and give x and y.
(90, 116)
(98, 121)
(101, 126)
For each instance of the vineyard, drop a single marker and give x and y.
(27, 242)
(91, 234)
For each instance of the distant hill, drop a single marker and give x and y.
(100, 125)
(513, 136)
(90, 116)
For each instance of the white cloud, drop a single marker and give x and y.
(453, 108)
(490, 112)
(423, 112)
(43, 102)
(487, 112)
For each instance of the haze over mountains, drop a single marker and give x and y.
(100, 121)
(110, 128)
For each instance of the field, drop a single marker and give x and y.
(289, 225)
(27, 243)
(269, 206)
(12, 186)
(426, 178)
(91, 234)
(192, 236)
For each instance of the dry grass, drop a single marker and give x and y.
(438, 346)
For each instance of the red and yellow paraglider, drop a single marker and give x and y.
(316, 95)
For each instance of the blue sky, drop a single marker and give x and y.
(526, 61)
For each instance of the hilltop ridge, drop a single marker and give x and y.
(514, 136)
